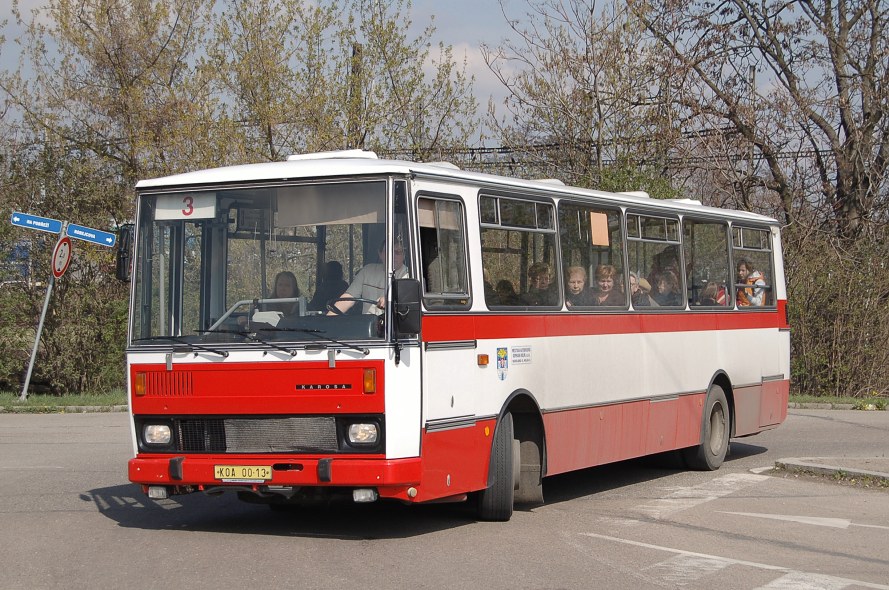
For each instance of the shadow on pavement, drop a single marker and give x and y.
(129, 507)
(739, 450)
(343, 519)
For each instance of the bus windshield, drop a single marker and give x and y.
(266, 261)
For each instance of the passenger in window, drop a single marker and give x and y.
(505, 293)
(666, 289)
(713, 294)
(576, 292)
(371, 282)
(491, 295)
(540, 288)
(640, 291)
(433, 274)
(332, 286)
(754, 295)
(605, 293)
(667, 260)
(286, 287)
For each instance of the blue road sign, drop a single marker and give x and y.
(52, 226)
(88, 234)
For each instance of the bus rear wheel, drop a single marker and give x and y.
(496, 502)
(715, 430)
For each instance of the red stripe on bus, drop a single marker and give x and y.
(392, 477)
(439, 328)
(782, 314)
(455, 461)
(259, 388)
(576, 439)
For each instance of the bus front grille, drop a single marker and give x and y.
(302, 434)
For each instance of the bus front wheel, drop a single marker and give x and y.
(709, 455)
(496, 502)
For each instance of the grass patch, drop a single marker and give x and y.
(823, 399)
(839, 477)
(867, 402)
(42, 402)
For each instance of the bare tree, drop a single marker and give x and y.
(584, 95)
(797, 81)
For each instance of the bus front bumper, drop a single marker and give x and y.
(392, 478)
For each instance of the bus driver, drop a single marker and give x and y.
(370, 282)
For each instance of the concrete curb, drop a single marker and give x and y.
(823, 467)
(62, 409)
(819, 406)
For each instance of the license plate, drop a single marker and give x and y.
(242, 472)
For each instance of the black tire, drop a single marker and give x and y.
(496, 502)
(715, 430)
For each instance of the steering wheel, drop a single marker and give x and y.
(333, 308)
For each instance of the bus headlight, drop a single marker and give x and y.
(157, 434)
(363, 434)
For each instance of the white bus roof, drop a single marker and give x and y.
(350, 163)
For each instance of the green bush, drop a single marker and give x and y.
(837, 307)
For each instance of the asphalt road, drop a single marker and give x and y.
(71, 520)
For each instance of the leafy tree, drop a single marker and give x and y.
(117, 79)
(269, 58)
(339, 75)
(112, 91)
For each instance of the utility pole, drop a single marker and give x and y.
(353, 116)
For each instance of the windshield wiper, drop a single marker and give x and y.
(254, 338)
(314, 333)
(191, 345)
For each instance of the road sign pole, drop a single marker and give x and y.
(52, 280)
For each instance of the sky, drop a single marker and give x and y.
(462, 24)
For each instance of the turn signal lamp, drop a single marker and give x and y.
(139, 381)
(370, 380)
(483, 360)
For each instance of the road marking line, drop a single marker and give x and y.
(683, 569)
(836, 523)
(685, 498)
(803, 581)
(796, 575)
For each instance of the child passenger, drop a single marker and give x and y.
(755, 294)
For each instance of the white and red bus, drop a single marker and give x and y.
(532, 329)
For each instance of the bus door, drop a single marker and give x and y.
(450, 366)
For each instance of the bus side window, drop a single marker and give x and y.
(518, 240)
(592, 256)
(443, 253)
(752, 257)
(705, 244)
(654, 255)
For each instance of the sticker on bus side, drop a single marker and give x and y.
(521, 355)
(502, 363)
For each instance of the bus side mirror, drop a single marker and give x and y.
(406, 305)
(124, 252)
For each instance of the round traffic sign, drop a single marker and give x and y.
(61, 257)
